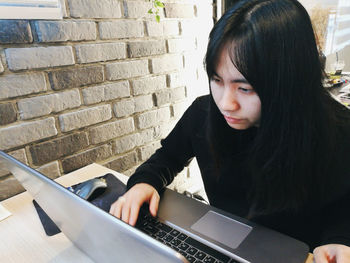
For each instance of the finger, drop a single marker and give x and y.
(320, 255)
(342, 256)
(153, 205)
(134, 213)
(125, 212)
(112, 209)
(117, 207)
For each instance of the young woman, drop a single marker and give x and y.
(271, 143)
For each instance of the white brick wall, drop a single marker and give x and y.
(86, 117)
(88, 53)
(121, 29)
(107, 79)
(111, 130)
(23, 133)
(106, 92)
(95, 8)
(138, 9)
(57, 31)
(22, 84)
(167, 63)
(39, 57)
(46, 104)
(163, 28)
(148, 85)
(127, 69)
(146, 48)
(153, 118)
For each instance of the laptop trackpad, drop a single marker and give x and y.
(222, 229)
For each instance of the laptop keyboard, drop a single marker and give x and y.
(190, 248)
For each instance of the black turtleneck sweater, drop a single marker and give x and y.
(320, 223)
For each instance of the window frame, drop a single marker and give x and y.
(31, 9)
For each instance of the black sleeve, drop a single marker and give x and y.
(337, 227)
(175, 153)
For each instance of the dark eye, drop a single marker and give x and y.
(246, 90)
(215, 79)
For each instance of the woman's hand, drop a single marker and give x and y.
(332, 253)
(127, 207)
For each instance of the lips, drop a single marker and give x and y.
(232, 120)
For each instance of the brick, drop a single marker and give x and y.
(179, 108)
(153, 118)
(205, 10)
(47, 104)
(146, 48)
(23, 84)
(179, 10)
(8, 113)
(26, 132)
(124, 108)
(76, 77)
(191, 61)
(138, 9)
(146, 151)
(130, 171)
(143, 103)
(177, 94)
(20, 155)
(111, 130)
(162, 130)
(58, 31)
(86, 117)
(63, 8)
(90, 156)
(163, 28)
(125, 143)
(178, 45)
(145, 136)
(167, 63)
(57, 148)
(88, 53)
(10, 187)
(138, 104)
(176, 79)
(15, 31)
(95, 8)
(148, 84)
(121, 29)
(50, 170)
(127, 69)
(189, 26)
(106, 92)
(39, 57)
(123, 163)
(162, 97)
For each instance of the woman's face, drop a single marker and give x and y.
(234, 96)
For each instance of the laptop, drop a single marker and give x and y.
(202, 233)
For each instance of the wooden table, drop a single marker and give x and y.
(22, 237)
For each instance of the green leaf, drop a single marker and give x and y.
(160, 4)
(158, 18)
(150, 11)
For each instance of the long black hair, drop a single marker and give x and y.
(272, 44)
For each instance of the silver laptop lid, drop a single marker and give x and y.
(98, 234)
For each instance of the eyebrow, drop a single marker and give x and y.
(241, 80)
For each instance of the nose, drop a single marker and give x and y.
(229, 101)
